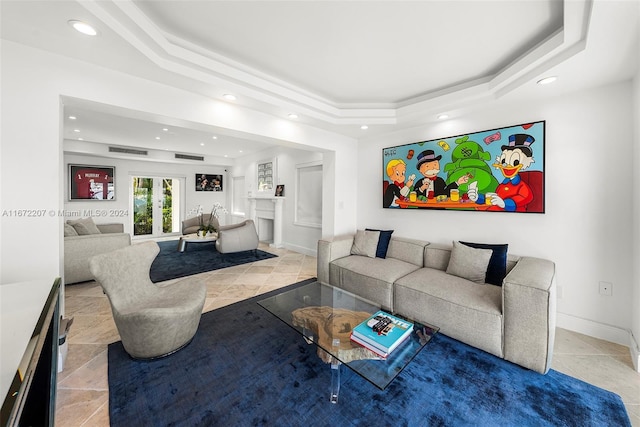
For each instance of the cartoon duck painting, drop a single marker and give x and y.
(513, 194)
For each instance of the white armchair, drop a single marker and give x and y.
(237, 237)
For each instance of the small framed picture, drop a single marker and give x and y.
(280, 190)
(206, 182)
(88, 182)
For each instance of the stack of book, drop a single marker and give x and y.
(382, 333)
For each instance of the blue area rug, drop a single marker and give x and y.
(197, 258)
(244, 367)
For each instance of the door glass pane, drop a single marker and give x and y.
(167, 205)
(142, 206)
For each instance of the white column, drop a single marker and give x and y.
(277, 222)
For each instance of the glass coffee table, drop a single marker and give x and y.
(325, 315)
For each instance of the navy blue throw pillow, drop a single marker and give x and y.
(497, 269)
(383, 242)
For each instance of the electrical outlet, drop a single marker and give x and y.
(606, 288)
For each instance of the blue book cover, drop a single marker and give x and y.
(383, 331)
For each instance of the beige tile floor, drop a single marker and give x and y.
(83, 389)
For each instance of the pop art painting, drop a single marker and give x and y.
(498, 170)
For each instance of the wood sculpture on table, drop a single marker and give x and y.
(327, 324)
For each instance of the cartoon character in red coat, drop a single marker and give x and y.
(513, 194)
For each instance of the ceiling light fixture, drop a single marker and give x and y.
(293, 116)
(83, 27)
(157, 137)
(72, 117)
(364, 127)
(214, 137)
(165, 130)
(76, 130)
(202, 144)
(547, 80)
(229, 97)
(443, 116)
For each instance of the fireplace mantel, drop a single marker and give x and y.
(268, 208)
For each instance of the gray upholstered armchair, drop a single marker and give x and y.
(237, 237)
(192, 225)
(153, 321)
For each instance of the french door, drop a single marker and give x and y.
(156, 205)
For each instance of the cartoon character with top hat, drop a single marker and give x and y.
(513, 194)
(432, 185)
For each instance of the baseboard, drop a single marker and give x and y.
(602, 331)
(301, 249)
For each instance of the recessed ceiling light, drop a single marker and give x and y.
(293, 116)
(364, 127)
(240, 151)
(547, 80)
(443, 116)
(80, 139)
(165, 129)
(157, 137)
(202, 144)
(83, 27)
(72, 117)
(229, 97)
(226, 155)
(76, 130)
(214, 137)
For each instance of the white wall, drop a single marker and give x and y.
(295, 237)
(635, 307)
(586, 227)
(127, 168)
(32, 174)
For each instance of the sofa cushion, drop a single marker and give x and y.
(497, 269)
(383, 242)
(69, 230)
(469, 263)
(84, 226)
(462, 309)
(370, 278)
(365, 243)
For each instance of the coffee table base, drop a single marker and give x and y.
(335, 381)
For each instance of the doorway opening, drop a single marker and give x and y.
(156, 205)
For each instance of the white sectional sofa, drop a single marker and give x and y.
(515, 321)
(79, 249)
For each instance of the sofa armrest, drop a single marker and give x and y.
(330, 250)
(529, 313)
(111, 228)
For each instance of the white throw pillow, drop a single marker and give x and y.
(365, 243)
(469, 263)
(84, 226)
(69, 231)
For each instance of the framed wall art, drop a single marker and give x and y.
(88, 182)
(206, 182)
(499, 170)
(266, 175)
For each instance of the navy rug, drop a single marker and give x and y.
(197, 258)
(244, 367)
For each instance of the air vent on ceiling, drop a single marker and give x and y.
(189, 157)
(128, 151)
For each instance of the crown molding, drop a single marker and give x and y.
(195, 62)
